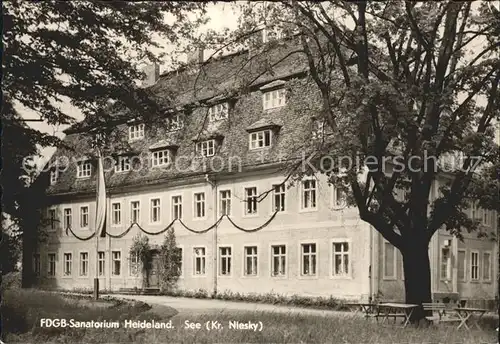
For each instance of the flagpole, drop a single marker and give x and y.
(100, 217)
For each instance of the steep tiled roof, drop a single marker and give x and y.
(218, 80)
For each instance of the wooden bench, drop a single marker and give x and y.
(439, 313)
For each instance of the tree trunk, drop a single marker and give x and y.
(417, 272)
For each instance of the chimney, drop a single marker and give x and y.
(152, 72)
(195, 56)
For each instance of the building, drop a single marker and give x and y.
(219, 152)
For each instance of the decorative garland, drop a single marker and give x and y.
(118, 236)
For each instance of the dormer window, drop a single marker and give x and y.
(160, 157)
(206, 148)
(175, 122)
(123, 164)
(260, 139)
(273, 99)
(83, 169)
(136, 131)
(54, 175)
(218, 112)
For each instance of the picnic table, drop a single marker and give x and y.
(369, 309)
(395, 310)
(468, 315)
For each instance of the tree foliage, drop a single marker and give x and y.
(170, 261)
(141, 249)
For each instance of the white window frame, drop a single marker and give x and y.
(54, 176)
(489, 266)
(82, 216)
(206, 148)
(134, 210)
(311, 191)
(254, 258)
(199, 205)
(136, 131)
(53, 219)
(218, 112)
(274, 99)
(202, 258)
(314, 254)
(254, 200)
(123, 164)
(101, 263)
(49, 262)
(176, 207)
(228, 257)
(82, 263)
(68, 218)
(67, 263)
(261, 139)
(83, 169)
(113, 260)
(160, 157)
(282, 259)
(464, 279)
(478, 266)
(152, 208)
(279, 192)
(37, 264)
(486, 218)
(448, 271)
(225, 200)
(116, 214)
(342, 253)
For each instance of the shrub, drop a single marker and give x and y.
(170, 262)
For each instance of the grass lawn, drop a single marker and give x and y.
(23, 309)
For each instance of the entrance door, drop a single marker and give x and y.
(154, 281)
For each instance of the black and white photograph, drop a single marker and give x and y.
(250, 172)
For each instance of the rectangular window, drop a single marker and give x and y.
(135, 212)
(339, 197)
(224, 261)
(51, 271)
(474, 266)
(445, 263)
(199, 205)
(260, 139)
(117, 263)
(308, 260)
(175, 122)
(250, 260)
(36, 264)
(225, 202)
(206, 148)
(84, 217)
(309, 194)
(218, 112)
(122, 164)
(461, 265)
(278, 260)
(67, 218)
(52, 219)
(486, 217)
(101, 256)
(389, 260)
(136, 132)
(340, 256)
(199, 260)
(133, 265)
(486, 266)
(155, 210)
(279, 197)
(274, 99)
(84, 263)
(176, 207)
(83, 169)
(160, 158)
(251, 200)
(68, 263)
(54, 174)
(116, 216)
